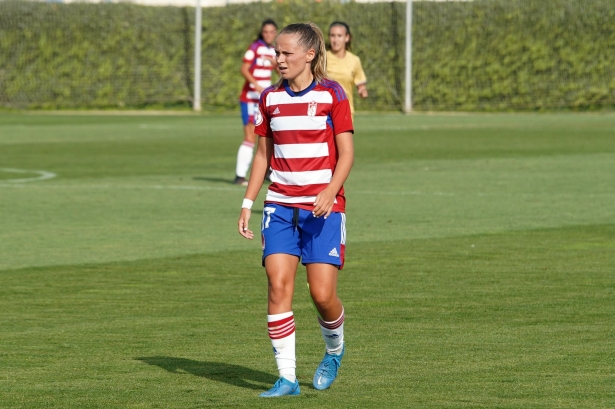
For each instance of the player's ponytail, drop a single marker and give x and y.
(309, 36)
(319, 63)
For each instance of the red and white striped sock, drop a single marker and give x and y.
(282, 333)
(244, 158)
(333, 334)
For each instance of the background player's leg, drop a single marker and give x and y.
(281, 270)
(245, 153)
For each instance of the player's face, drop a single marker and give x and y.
(292, 59)
(269, 32)
(338, 37)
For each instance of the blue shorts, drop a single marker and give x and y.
(247, 111)
(294, 231)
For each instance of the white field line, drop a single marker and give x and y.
(42, 175)
(129, 187)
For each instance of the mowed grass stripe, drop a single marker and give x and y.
(514, 320)
(132, 217)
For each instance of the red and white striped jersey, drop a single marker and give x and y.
(303, 127)
(260, 68)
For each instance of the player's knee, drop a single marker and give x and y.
(279, 292)
(323, 299)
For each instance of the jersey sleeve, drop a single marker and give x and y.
(261, 118)
(250, 54)
(359, 75)
(340, 113)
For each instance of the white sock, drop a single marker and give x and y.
(333, 334)
(282, 333)
(244, 159)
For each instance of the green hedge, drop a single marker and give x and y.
(503, 54)
(91, 56)
(480, 55)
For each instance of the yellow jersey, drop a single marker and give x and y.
(347, 71)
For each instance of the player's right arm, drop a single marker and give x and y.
(262, 159)
(257, 177)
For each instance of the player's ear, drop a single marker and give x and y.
(310, 54)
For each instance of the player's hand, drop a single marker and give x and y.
(324, 203)
(242, 224)
(259, 89)
(362, 92)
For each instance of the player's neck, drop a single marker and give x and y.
(341, 53)
(301, 82)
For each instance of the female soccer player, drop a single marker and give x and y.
(305, 130)
(342, 65)
(258, 62)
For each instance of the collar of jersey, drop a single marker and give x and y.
(298, 94)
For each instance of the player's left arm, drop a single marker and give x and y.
(326, 199)
(360, 80)
(362, 89)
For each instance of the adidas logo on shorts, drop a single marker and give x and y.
(333, 253)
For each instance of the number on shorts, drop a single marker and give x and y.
(267, 211)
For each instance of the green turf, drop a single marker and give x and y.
(481, 253)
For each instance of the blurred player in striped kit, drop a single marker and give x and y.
(342, 65)
(305, 128)
(258, 62)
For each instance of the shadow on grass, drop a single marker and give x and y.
(217, 180)
(216, 371)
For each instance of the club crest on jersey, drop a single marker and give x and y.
(258, 117)
(312, 108)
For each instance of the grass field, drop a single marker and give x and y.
(480, 270)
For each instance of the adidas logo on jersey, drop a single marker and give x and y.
(333, 253)
(277, 111)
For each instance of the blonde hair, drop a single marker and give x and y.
(309, 36)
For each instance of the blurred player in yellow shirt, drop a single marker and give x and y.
(342, 65)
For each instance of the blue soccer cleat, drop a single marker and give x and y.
(327, 370)
(282, 387)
